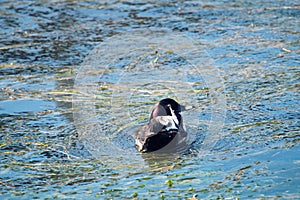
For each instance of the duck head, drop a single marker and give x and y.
(166, 107)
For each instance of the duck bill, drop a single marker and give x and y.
(186, 108)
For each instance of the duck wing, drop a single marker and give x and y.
(155, 126)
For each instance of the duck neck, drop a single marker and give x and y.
(174, 116)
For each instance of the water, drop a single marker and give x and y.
(77, 78)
